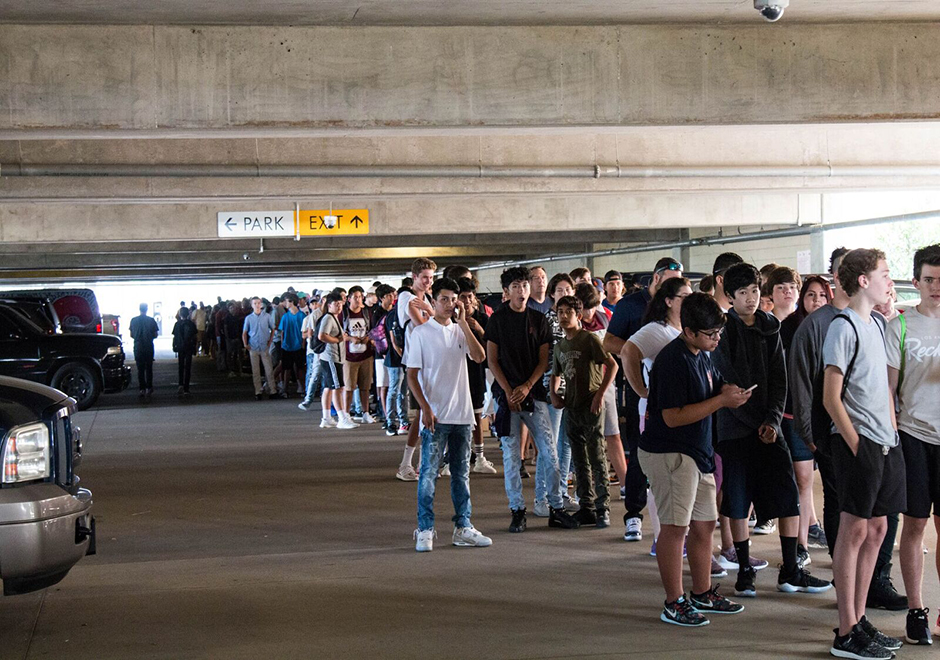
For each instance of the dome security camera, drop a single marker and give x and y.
(771, 10)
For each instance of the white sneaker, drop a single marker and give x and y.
(634, 530)
(445, 471)
(541, 509)
(406, 473)
(327, 423)
(768, 527)
(424, 541)
(483, 466)
(303, 405)
(468, 537)
(367, 418)
(347, 424)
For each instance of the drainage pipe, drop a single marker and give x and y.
(458, 171)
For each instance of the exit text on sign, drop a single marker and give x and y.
(348, 221)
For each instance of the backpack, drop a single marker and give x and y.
(378, 336)
(396, 329)
(317, 345)
(820, 419)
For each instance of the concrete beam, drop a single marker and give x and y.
(524, 217)
(154, 77)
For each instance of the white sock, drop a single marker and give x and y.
(409, 455)
(478, 451)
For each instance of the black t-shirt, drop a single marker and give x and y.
(519, 336)
(680, 378)
(476, 371)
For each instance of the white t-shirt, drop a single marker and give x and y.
(439, 353)
(920, 389)
(310, 324)
(651, 339)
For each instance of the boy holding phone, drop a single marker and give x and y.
(756, 461)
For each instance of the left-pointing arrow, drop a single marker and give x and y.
(230, 224)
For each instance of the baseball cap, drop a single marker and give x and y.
(612, 275)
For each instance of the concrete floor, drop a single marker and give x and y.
(230, 528)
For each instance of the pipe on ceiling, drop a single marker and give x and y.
(456, 171)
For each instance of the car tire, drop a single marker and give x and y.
(79, 382)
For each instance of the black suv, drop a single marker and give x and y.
(46, 522)
(79, 364)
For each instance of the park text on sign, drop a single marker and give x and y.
(347, 221)
(255, 224)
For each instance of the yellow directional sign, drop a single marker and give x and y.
(337, 222)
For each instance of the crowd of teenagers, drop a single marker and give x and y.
(712, 406)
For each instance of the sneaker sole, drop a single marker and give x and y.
(855, 656)
(918, 642)
(720, 575)
(727, 564)
(423, 549)
(749, 593)
(401, 478)
(666, 619)
(461, 544)
(708, 610)
(632, 539)
(790, 589)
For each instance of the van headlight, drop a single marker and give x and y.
(115, 350)
(26, 453)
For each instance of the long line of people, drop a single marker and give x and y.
(712, 408)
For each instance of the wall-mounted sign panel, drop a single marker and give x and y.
(255, 224)
(338, 222)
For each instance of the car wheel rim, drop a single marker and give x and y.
(76, 386)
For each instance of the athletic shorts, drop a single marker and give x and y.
(381, 373)
(758, 473)
(798, 450)
(358, 375)
(922, 463)
(291, 359)
(682, 492)
(331, 375)
(872, 483)
(611, 419)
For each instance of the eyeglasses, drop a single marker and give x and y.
(712, 334)
(675, 265)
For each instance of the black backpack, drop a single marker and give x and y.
(396, 329)
(819, 417)
(317, 345)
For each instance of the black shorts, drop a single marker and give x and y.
(331, 375)
(922, 463)
(872, 483)
(291, 359)
(758, 473)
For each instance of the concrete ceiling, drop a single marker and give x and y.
(448, 12)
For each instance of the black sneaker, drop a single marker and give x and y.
(681, 613)
(745, 584)
(518, 521)
(712, 601)
(859, 646)
(523, 472)
(882, 594)
(561, 518)
(801, 582)
(585, 517)
(918, 627)
(603, 518)
(802, 557)
(890, 643)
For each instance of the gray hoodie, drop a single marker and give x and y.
(752, 355)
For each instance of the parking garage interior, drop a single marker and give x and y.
(604, 134)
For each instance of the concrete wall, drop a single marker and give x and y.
(147, 77)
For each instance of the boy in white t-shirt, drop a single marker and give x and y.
(435, 355)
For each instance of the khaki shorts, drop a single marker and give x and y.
(358, 375)
(681, 491)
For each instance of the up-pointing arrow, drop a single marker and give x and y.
(230, 223)
(357, 221)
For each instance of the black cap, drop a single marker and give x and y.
(612, 275)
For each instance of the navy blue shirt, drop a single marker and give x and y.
(680, 378)
(628, 314)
